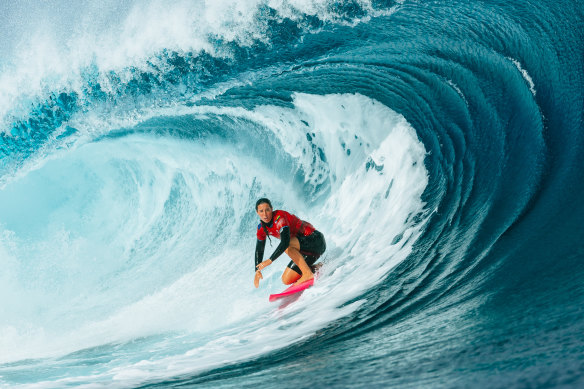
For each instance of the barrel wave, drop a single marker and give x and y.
(437, 145)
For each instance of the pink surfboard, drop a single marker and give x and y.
(292, 290)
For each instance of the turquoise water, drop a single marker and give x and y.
(437, 145)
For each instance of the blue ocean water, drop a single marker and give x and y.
(437, 144)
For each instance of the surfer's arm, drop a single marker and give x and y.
(259, 255)
(284, 243)
(260, 245)
(259, 252)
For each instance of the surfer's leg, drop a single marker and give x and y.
(293, 273)
(310, 248)
(290, 276)
(293, 252)
(310, 261)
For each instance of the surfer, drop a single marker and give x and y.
(299, 239)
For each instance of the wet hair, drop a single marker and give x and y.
(264, 200)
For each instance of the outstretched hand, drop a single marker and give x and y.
(258, 274)
(257, 278)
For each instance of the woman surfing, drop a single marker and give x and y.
(299, 239)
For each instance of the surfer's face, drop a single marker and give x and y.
(265, 212)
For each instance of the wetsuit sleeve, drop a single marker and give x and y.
(259, 252)
(284, 243)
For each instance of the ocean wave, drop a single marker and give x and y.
(435, 146)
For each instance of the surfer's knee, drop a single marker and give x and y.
(286, 279)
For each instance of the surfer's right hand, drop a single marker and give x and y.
(258, 277)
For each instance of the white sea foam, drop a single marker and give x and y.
(55, 45)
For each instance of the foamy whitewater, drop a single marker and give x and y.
(435, 145)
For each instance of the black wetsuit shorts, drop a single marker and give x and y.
(311, 247)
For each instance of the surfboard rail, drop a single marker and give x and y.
(293, 289)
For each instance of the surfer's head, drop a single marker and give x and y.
(263, 200)
(264, 209)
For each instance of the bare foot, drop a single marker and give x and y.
(304, 279)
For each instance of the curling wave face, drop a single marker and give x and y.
(433, 145)
(144, 236)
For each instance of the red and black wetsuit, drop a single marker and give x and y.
(285, 226)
